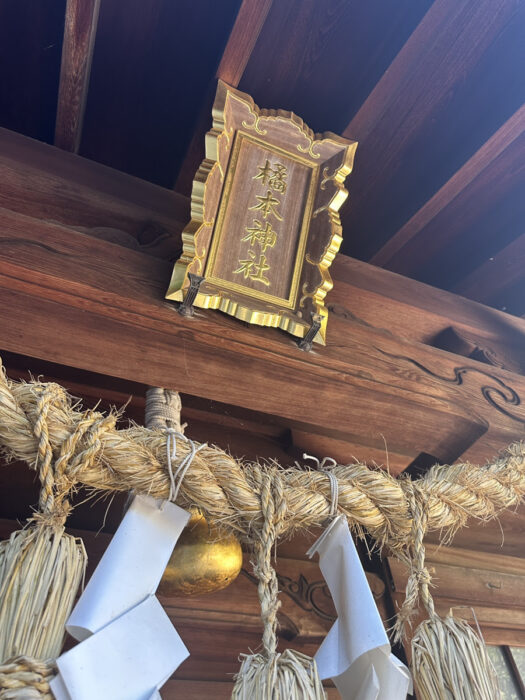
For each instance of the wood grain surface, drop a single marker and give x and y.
(80, 28)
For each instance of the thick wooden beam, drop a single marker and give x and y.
(476, 347)
(462, 202)
(109, 204)
(87, 303)
(105, 302)
(89, 197)
(418, 312)
(80, 28)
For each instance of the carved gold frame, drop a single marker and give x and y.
(199, 240)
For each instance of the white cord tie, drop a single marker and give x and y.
(171, 453)
(326, 466)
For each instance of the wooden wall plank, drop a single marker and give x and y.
(478, 559)
(497, 538)
(473, 582)
(80, 28)
(498, 626)
(467, 585)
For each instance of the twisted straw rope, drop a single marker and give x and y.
(413, 556)
(25, 678)
(274, 510)
(230, 493)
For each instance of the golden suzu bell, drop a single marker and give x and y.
(204, 560)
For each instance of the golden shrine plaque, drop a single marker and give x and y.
(264, 225)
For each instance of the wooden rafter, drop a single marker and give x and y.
(460, 203)
(407, 113)
(80, 28)
(246, 29)
(290, 55)
(248, 24)
(488, 283)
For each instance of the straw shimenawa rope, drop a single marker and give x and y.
(229, 493)
(40, 425)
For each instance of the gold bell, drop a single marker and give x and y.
(203, 560)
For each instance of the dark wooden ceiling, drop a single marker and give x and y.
(433, 92)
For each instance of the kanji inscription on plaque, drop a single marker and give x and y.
(265, 225)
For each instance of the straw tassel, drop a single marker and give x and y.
(449, 660)
(41, 567)
(271, 675)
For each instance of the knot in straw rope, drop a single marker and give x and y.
(58, 478)
(273, 508)
(334, 484)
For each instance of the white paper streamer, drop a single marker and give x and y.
(356, 652)
(129, 647)
(126, 660)
(132, 565)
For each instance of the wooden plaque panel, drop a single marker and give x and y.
(264, 217)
